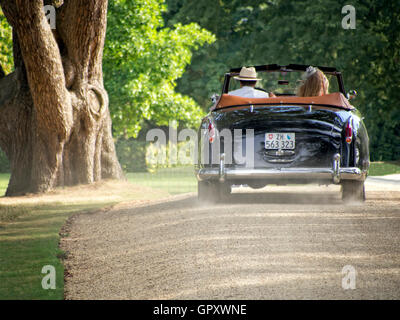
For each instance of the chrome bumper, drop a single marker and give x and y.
(334, 174)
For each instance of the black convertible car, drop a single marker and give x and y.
(282, 140)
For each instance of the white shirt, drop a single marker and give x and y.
(249, 92)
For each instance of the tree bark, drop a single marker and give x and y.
(55, 125)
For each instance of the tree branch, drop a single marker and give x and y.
(39, 50)
(87, 21)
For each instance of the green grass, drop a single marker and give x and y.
(4, 177)
(30, 242)
(30, 233)
(383, 168)
(173, 180)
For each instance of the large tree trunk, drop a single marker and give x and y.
(55, 126)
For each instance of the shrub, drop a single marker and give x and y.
(169, 156)
(131, 154)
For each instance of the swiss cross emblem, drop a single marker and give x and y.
(270, 136)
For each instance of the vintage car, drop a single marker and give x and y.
(284, 139)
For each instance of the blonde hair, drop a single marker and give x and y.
(316, 84)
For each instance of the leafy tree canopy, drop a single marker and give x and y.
(142, 60)
(305, 32)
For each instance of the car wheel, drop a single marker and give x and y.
(353, 191)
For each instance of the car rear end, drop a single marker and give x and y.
(283, 144)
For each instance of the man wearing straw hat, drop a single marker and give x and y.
(248, 79)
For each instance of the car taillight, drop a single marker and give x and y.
(211, 132)
(349, 132)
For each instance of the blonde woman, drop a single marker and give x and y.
(315, 83)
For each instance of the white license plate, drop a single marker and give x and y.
(275, 140)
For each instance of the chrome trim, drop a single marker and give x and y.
(334, 174)
(336, 168)
(311, 174)
(279, 153)
(222, 170)
(279, 160)
(279, 156)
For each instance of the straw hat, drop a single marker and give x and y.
(247, 74)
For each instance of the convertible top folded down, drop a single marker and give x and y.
(333, 99)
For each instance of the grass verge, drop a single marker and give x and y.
(382, 168)
(30, 227)
(4, 177)
(173, 180)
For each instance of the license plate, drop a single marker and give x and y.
(275, 140)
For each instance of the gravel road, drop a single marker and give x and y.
(273, 243)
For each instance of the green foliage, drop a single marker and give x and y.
(140, 156)
(142, 61)
(305, 32)
(6, 56)
(131, 154)
(160, 156)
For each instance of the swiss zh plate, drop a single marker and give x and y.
(280, 140)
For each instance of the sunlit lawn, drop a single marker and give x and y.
(384, 168)
(172, 180)
(4, 177)
(30, 232)
(29, 237)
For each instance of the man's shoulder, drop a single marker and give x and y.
(249, 92)
(240, 90)
(260, 94)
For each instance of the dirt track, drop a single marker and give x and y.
(275, 243)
